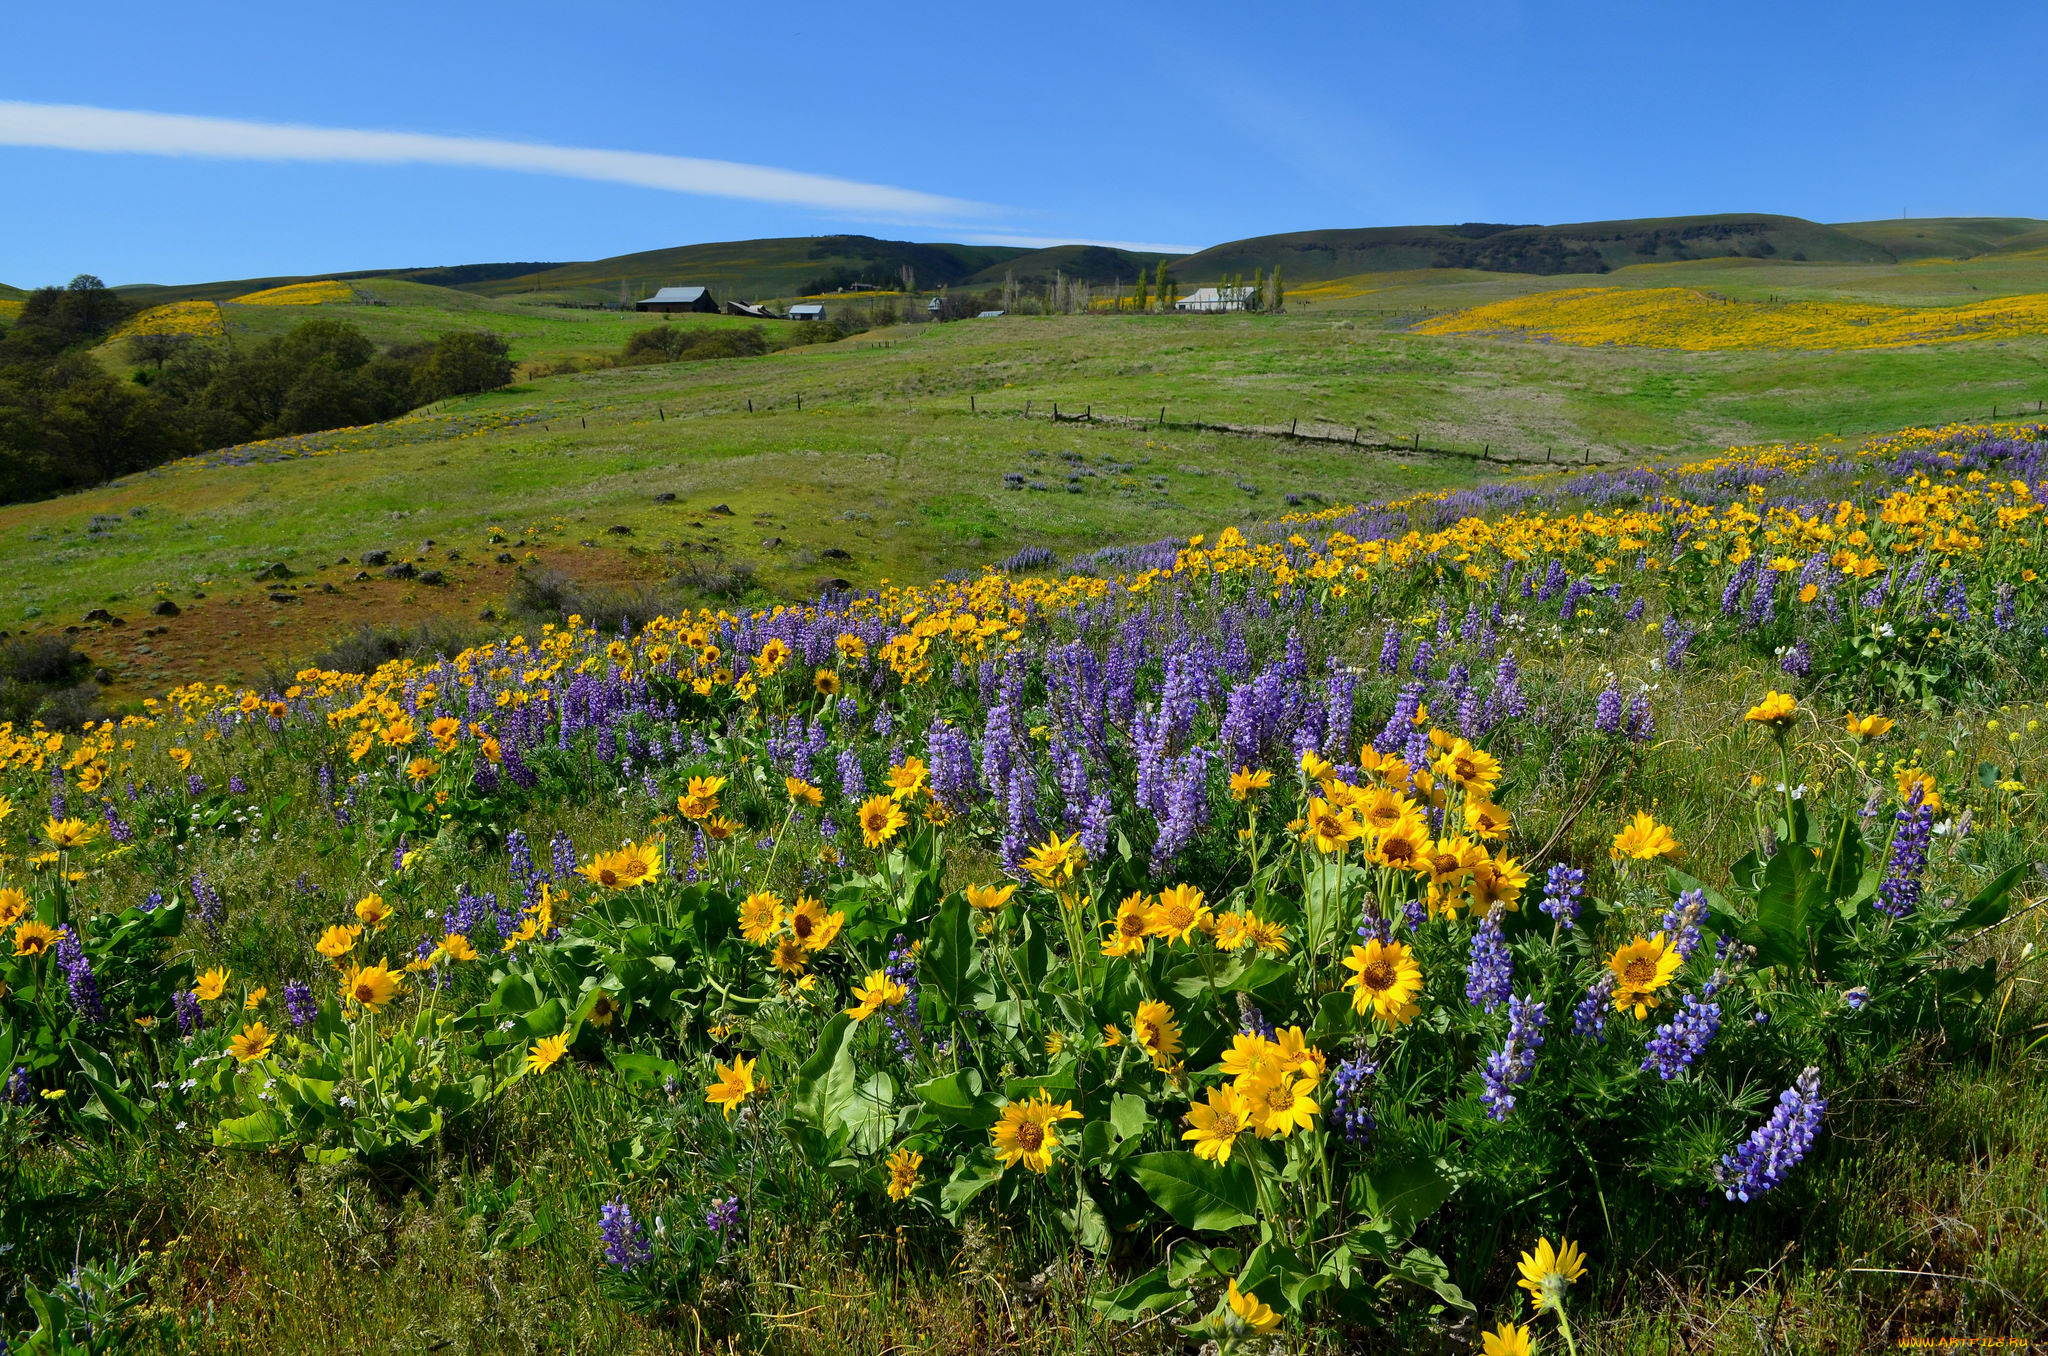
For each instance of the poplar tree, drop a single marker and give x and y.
(1279, 295)
(1165, 287)
(1143, 296)
(1256, 300)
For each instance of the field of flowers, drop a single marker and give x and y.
(201, 319)
(1694, 320)
(1346, 932)
(325, 292)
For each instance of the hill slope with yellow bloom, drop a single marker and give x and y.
(1698, 321)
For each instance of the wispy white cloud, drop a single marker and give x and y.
(79, 128)
(1048, 241)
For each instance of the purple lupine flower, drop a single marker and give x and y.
(1682, 922)
(519, 855)
(1684, 1038)
(562, 854)
(1425, 655)
(1635, 611)
(1856, 997)
(723, 1217)
(1607, 712)
(1642, 722)
(19, 1091)
(1512, 1065)
(153, 901)
(852, 781)
(1798, 659)
(298, 1002)
(903, 1021)
(952, 764)
(236, 786)
(78, 977)
(195, 784)
(1589, 1017)
(625, 1242)
(2002, 611)
(1253, 1022)
(1489, 978)
(1899, 894)
(1390, 649)
(1763, 604)
(1679, 638)
(1563, 888)
(186, 1005)
(1777, 1146)
(213, 911)
(1957, 604)
(1351, 1097)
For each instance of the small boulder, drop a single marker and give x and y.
(835, 585)
(375, 558)
(665, 497)
(275, 570)
(504, 557)
(770, 543)
(433, 577)
(404, 569)
(620, 530)
(279, 597)
(165, 608)
(98, 614)
(720, 510)
(836, 553)
(359, 576)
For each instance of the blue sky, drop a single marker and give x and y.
(1187, 124)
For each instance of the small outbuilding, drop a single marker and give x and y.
(671, 299)
(807, 310)
(1215, 299)
(750, 309)
(991, 315)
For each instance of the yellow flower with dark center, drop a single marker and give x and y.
(211, 985)
(1643, 839)
(990, 897)
(604, 1009)
(373, 912)
(903, 1172)
(67, 834)
(1329, 828)
(13, 907)
(1215, 1127)
(874, 993)
(1250, 1058)
(182, 757)
(881, 819)
(1250, 1310)
(457, 947)
(1486, 820)
(718, 828)
(1267, 934)
(337, 941)
(1870, 726)
(1496, 880)
(422, 769)
(1027, 1132)
(772, 657)
(1055, 862)
(700, 798)
(372, 986)
(445, 730)
(1156, 1032)
(1297, 1054)
(1179, 913)
(544, 1053)
(1640, 969)
(1383, 809)
(790, 957)
(255, 998)
(811, 926)
(760, 916)
(825, 682)
(1281, 1104)
(733, 1085)
(1476, 770)
(1385, 980)
(802, 792)
(1775, 712)
(34, 937)
(1547, 1272)
(1911, 777)
(1130, 927)
(1231, 932)
(1315, 766)
(1245, 783)
(624, 869)
(1404, 847)
(906, 779)
(1509, 1339)
(1450, 859)
(252, 1043)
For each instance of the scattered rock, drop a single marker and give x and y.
(586, 542)
(771, 543)
(404, 569)
(504, 557)
(71, 630)
(620, 530)
(433, 577)
(427, 544)
(359, 576)
(99, 614)
(488, 614)
(665, 497)
(329, 588)
(342, 560)
(372, 558)
(836, 553)
(196, 594)
(102, 676)
(278, 597)
(835, 585)
(275, 570)
(719, 510)
(454, 554)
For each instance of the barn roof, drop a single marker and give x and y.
(681, 294)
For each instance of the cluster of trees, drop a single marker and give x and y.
(67, 420)
(694, 343)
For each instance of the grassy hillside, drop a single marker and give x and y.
(1088, 263)
(1944, 237)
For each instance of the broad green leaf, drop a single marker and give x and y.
(1991, 903)
(1197, 1193)
(1132, 1301)
(1401, 1195)
(950, 956)
(957, 1099)
(823, 1090)
(1128, 1116)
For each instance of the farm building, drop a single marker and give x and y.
(751, 309)
(679, 299)
(807, 310)
(1213, 299)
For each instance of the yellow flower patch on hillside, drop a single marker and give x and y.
(321, 293)
(1693, 320)
(197, 318)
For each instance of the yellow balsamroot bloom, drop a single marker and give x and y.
(760, 916)
(1775, 712)
(337, 941)
(372, 985)
(66, 834)
(1911, 777)
(1329, 828)
(1215, 1127)
(881, 819)
(1385, 980)
(1250, 1310)
(990, 897)
(1130, 927)
(1869, 727)
(1156, 1032)
(734, 1084)
(422, 769)
(1178, 915)
(1643, 839)
(1547, 1271)
(906, 779)
(1230, 932)
(1484, 819)
(255, 998)
(13, 906)
(825, 682)
(700, 798)
(1245, 783)
(631, 865)
(444, 732)
(1509, 1339)
(373, 911)
(183, 758)
(1640, 969)
(1026, 1131)
(456, 947)
(34, 937)
(545, 1053)
(1496, 880)
(604, 1009)
(789, 956)
(802, 792)
(1055, 862)
(903, 1172)
(811, 926)
(252, 1043)
(874, 993)
(211, 985)
(1281, 1104)
(1476, 770)
(1267, 934)
(1404, 847)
